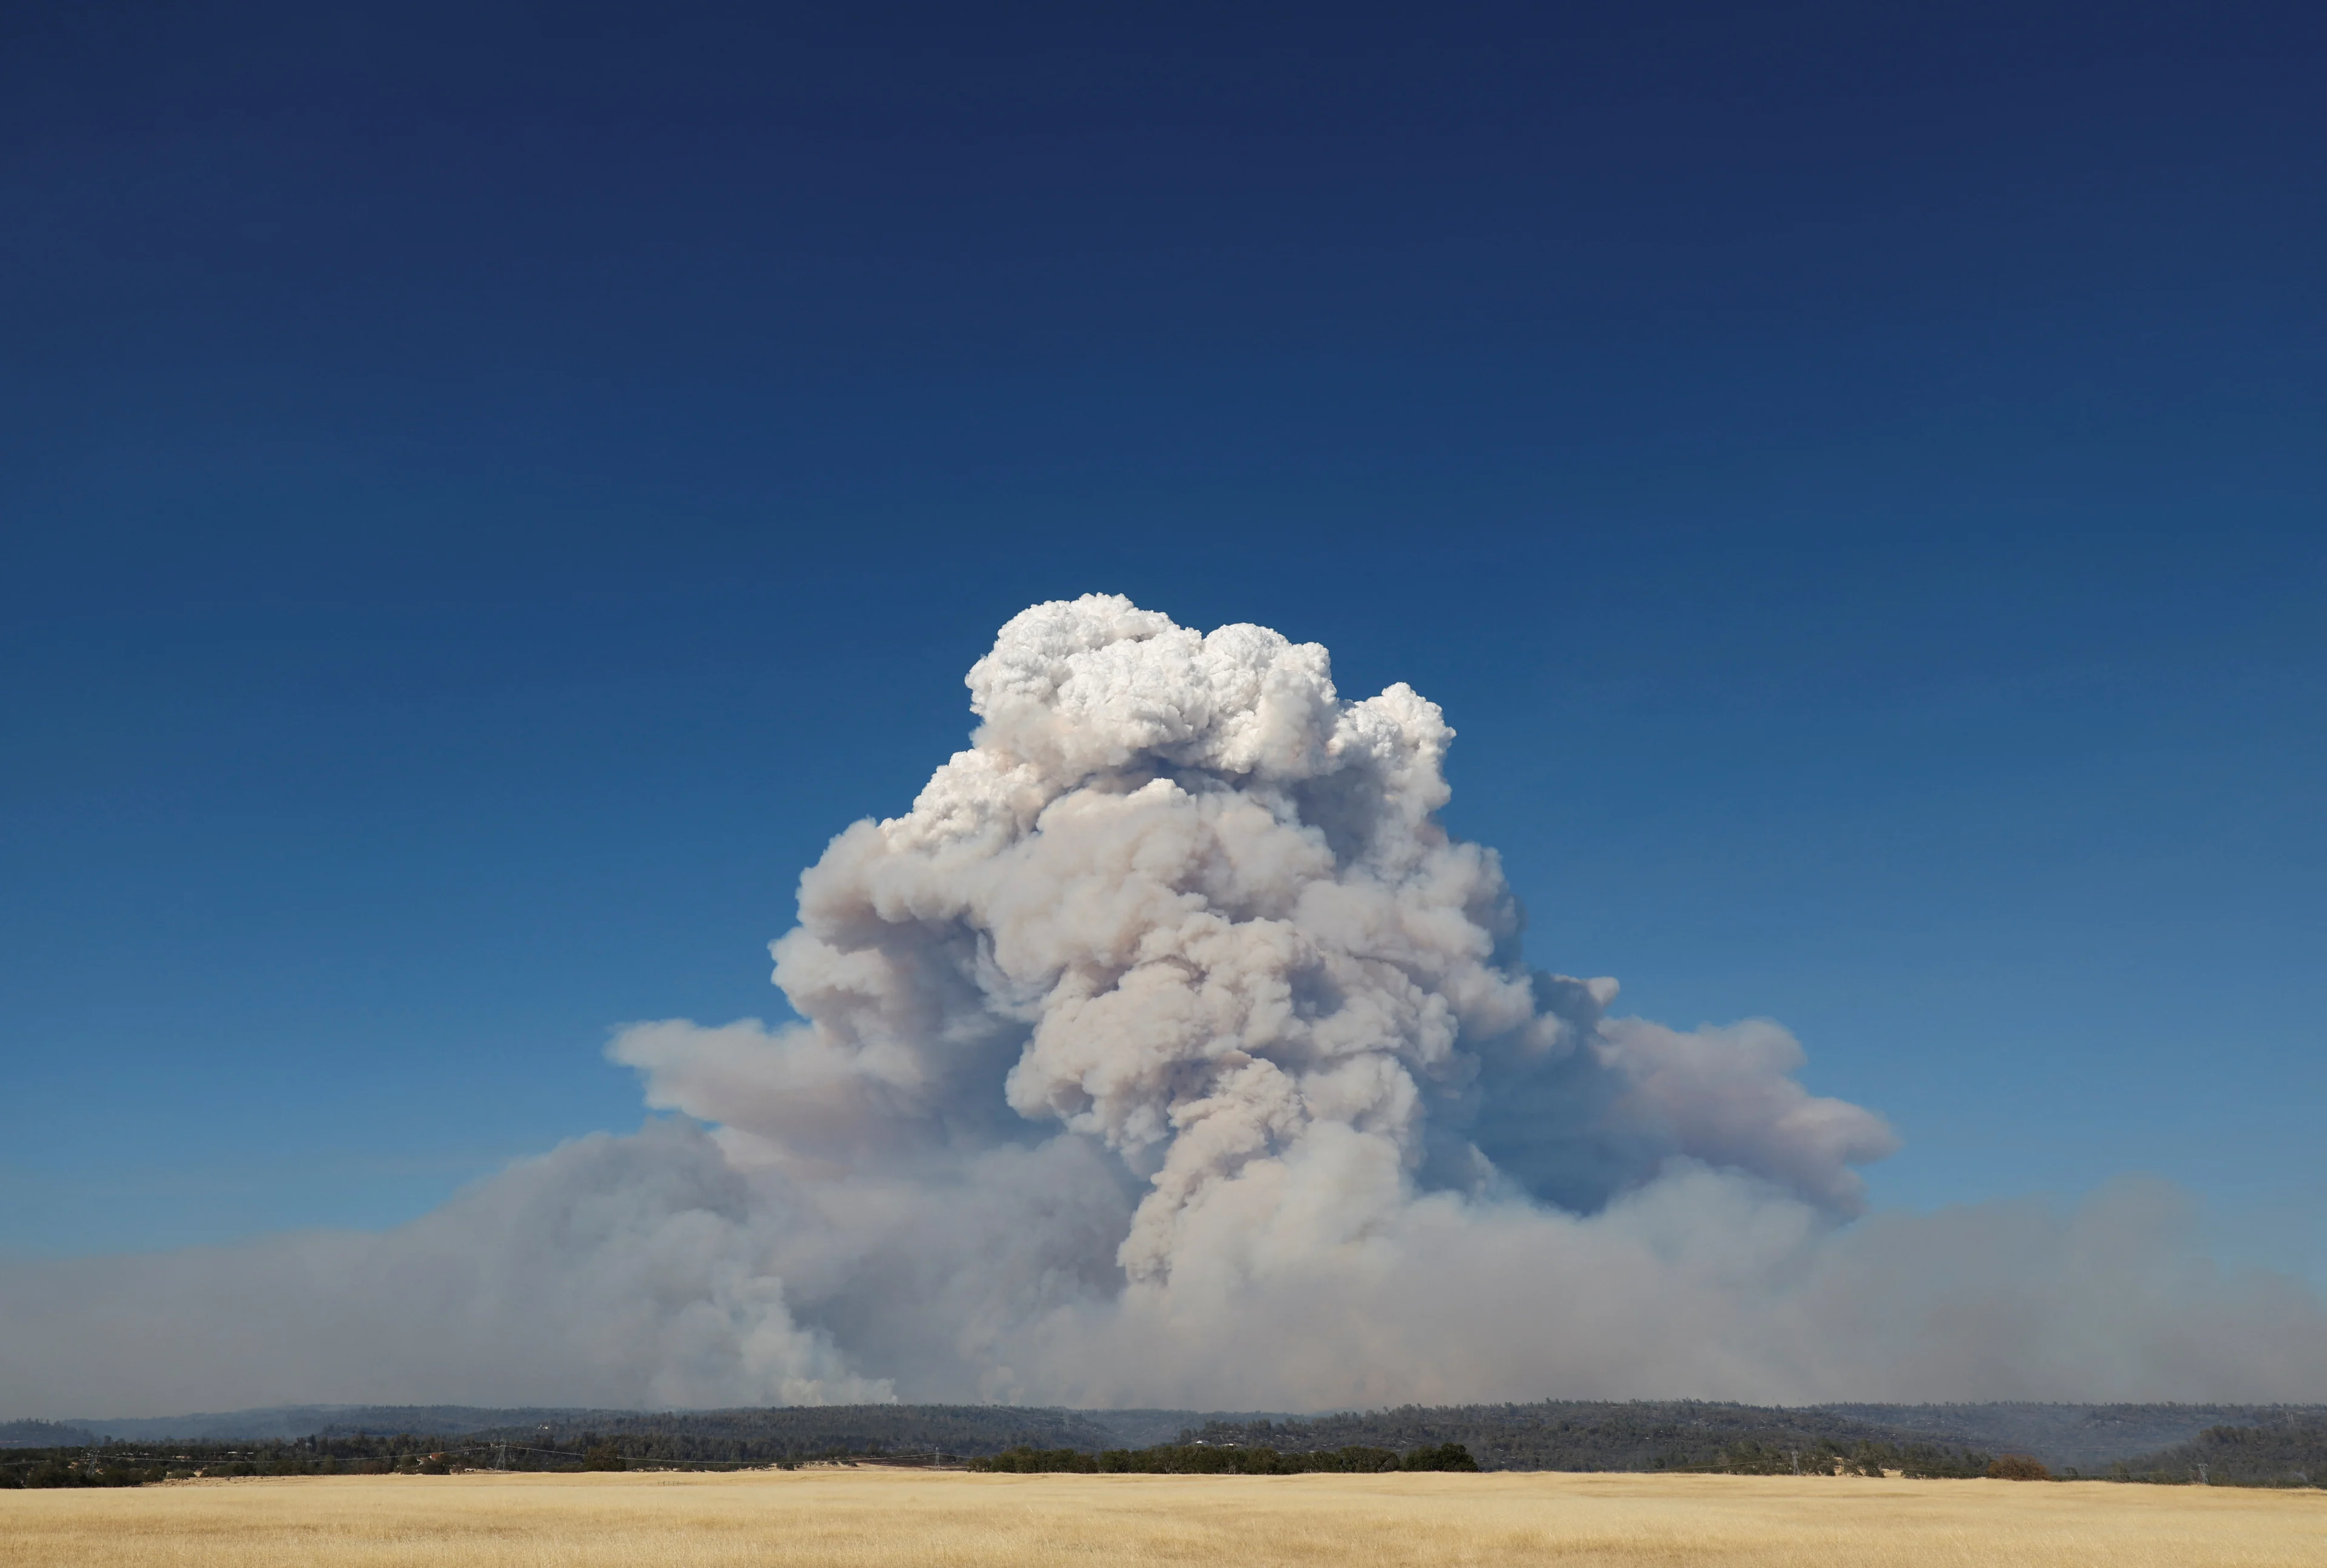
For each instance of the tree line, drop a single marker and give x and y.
(115, 1464)
(2287, 1450)
(2286, 1446)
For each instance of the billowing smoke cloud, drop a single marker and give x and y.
(1168, 1051)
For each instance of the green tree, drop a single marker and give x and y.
(1446, 1456)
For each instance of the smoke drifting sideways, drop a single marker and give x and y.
(1168, 1052)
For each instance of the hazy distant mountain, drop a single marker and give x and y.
(968, 1428)
(43, 1435)
(289, 1421)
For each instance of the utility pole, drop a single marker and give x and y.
(1795, 1454)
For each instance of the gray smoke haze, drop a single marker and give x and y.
(1168, 1052)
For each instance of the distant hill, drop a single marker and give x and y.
(1551, 1434)
(2287, 1449)
(803, 1432)
(1558, 1434)
(283, 1422)
(1577, 1434)
(2085, 1437)
(968, 1429)
(43, 1435)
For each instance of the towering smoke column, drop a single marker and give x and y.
(1181, 903)
(1169, 1052)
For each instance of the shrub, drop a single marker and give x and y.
(2017, 1466)
(603, 1457)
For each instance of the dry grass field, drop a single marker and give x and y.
(873, 1518)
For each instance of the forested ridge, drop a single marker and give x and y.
(2256, 1445)
(2085, 1437)
(2289, 1449)
(1667, 1435)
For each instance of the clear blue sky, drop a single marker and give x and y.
(485, 493)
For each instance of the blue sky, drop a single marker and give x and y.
(486, 494)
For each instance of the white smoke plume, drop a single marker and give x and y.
(1169, 1051)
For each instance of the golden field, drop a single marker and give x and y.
(871, 1518)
